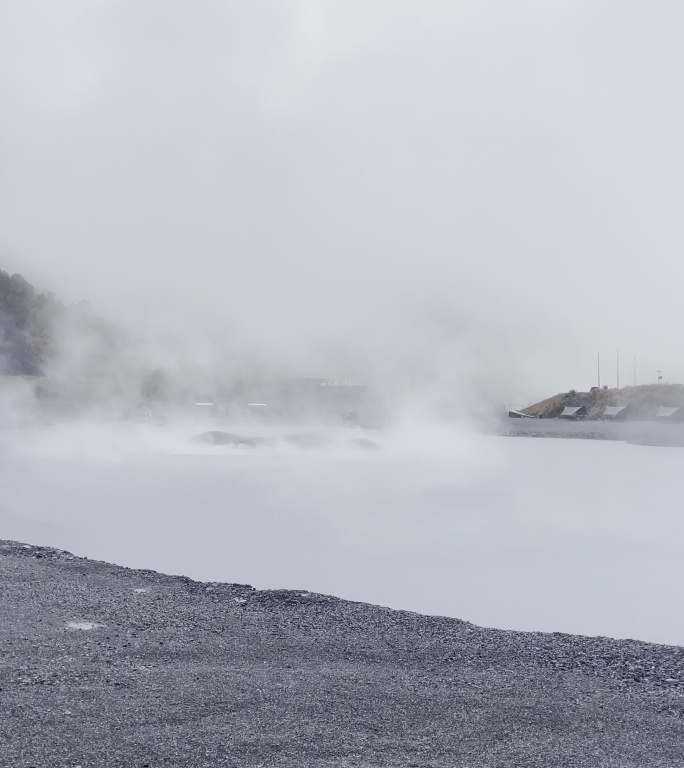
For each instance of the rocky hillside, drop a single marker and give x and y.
(643, 401)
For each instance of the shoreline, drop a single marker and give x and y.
(637, 432)
(109, 666)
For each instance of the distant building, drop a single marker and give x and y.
(258, 410)
(574, 412)
(519, 415)
(616, 412)
(670, 414)
(205, 408)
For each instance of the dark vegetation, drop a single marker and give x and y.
(59, 348)
(72, 360)
(27, 320)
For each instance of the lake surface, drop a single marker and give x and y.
(519, 533)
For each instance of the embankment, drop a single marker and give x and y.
(638, 432)
(105, 666)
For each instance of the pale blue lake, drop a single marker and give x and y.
(519, 533)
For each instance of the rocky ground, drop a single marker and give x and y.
(105, 666)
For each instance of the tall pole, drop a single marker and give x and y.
(635, 370)
(598, 366)
(617, 361)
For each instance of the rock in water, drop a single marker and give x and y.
(216, 437)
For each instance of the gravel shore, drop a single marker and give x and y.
(107, 666)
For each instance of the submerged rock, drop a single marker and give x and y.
(363, 443)
(301, 440)
(307, 440)
(216, 437)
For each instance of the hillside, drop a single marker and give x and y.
(643, 401)
(27, 320)
(55, 347)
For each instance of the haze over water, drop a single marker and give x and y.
(535, 534)
(458, 204)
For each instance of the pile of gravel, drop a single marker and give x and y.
(107, 666)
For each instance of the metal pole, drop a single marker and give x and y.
(635, 370)
(598, 364)
(618, 367)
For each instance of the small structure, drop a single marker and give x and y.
(145, 412)
(205, 408)
(519, 415)
(615, 412)
(574, 412)
(258, 410)
(669, 414)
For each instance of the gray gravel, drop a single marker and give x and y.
(106, 666)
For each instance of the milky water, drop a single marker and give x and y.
(519, 533)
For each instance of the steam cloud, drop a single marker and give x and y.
(466, 197)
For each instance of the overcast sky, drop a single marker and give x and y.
(485, 188)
